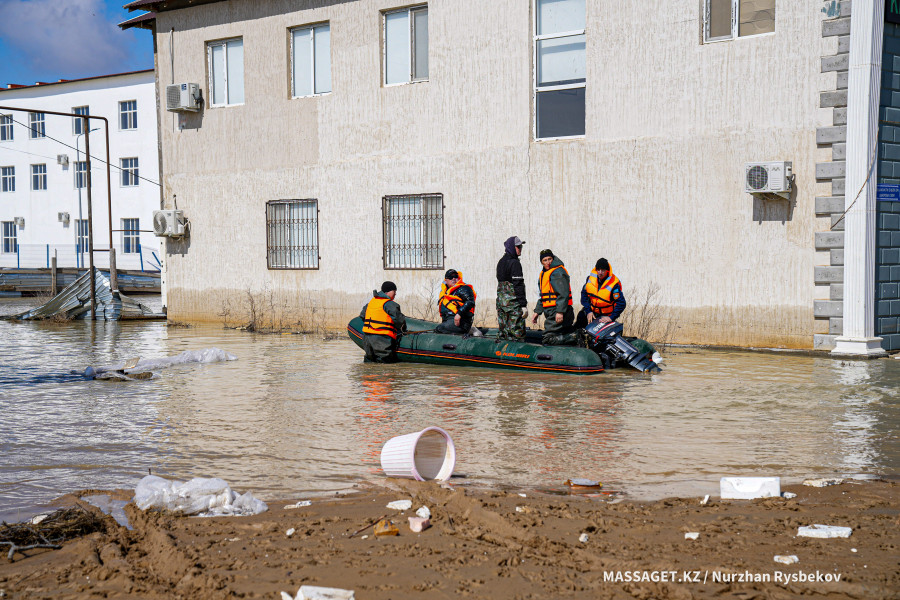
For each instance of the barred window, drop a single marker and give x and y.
(413, 231)
(292, 234)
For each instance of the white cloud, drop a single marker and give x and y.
(70, 37)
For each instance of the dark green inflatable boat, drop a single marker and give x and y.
(420, 344)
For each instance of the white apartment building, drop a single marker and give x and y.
(43, 172)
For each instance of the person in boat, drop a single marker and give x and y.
(456, 304)
(601, 297)
(512, 304)
(555, 302)
(383, 325)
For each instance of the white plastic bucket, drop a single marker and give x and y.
(423, 456)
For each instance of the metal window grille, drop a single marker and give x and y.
(10, 244)
(39, 177)
(129, 171)
(6, 128)
(128, 114)
(413, 231)
(7, 179)
(79, 124)
(292, 234)
(131, 236)
(80, 174)
(37, 122)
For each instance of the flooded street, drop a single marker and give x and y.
(296, 415)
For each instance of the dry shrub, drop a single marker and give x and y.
(645, 318)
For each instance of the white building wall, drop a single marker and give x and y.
(655, 185)
(43, 233)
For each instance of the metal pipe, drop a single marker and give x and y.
(87, 151)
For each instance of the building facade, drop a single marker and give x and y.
(346, 142)
(43, 166)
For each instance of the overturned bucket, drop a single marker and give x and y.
(424, 455)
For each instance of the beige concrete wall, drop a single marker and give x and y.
(655, 185)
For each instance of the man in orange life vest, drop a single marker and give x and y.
(555, 302)
(601, 296)
(383, 325)
(456, 304)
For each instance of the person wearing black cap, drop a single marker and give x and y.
(383, 325)
(555, 302)
(456, 304)
(601, 297)
(512, 304)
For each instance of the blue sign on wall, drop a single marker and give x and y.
(889, 192)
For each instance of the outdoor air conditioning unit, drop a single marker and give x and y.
(20, 222)
(768, 178)
(62, 159)
(63, 217)
(168, 223)
(183, 97)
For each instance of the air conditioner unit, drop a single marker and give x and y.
(768, 178)
(63, 217)
(20, 221)
(168, 223)
(62, 159)
(183, 97)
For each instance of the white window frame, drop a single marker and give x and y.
(77, 122)
(7, 179)
(81, 236)
(312, 58)
(10, 243)
(131, 236)
(552, 88)
(6, 128)
(80, 172)
(735, 25)
(37, 125)
(209, 68)
(411, 41)
(130, 114)
(39, 175)
(130, 171)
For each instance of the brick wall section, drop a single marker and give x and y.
(834, 134)
(887, 249)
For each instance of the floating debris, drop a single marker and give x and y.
(749, 488)
(300, 504)
(824, 531)
(824, 482)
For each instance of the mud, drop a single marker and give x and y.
(488, 544)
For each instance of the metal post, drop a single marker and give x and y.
(87, 152)
(53, 285)
(141, 254)
(48, 256)
(113, 276)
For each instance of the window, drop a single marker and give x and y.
(559, 68)
(81, 236)
(406, 45)
(36, 121)
(226, 72)
(39, 177)
(128, 114)
(10, 245)
(79, 124)
(6, 128)
(311, 60)
(728, 19)
(131, 236)
(80, 174)
(7, 179)
(129, 171)
(413, 231)
(292, 234)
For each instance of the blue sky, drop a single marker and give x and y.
(47, 40)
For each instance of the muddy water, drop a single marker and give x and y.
(297, 416)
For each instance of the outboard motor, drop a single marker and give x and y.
(607, 338)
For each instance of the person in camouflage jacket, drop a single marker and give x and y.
(512, 305)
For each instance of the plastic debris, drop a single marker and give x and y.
(788, 495)
(365, 537)
(311, 592)
(824, 531)
(113, 508)
(37, 519)
(290, 532)
(400, 504)
(824, 482)
(787, 559)
(208, 355)
(419, 524)
(852, 549)
(705, 499)
(199, 496)
(300, 504)
(386, 527)
(691, 535)
(749, 488)
(583, 538)
(578, 482)
(424, 512)
(522, 495)
(520, 509)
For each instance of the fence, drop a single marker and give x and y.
(32, 256)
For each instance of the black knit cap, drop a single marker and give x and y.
(546, 253)
(602, 265)
(451, 274)
(388, 286)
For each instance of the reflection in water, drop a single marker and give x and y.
(297, 415)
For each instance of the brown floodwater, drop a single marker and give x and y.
(298, 416)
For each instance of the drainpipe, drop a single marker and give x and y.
(860, 231)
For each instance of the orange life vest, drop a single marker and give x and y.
(548, 294)
(601, 293)
(451, 301)
(377, 321)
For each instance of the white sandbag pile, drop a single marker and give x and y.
(205, 356)
(200, 496)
